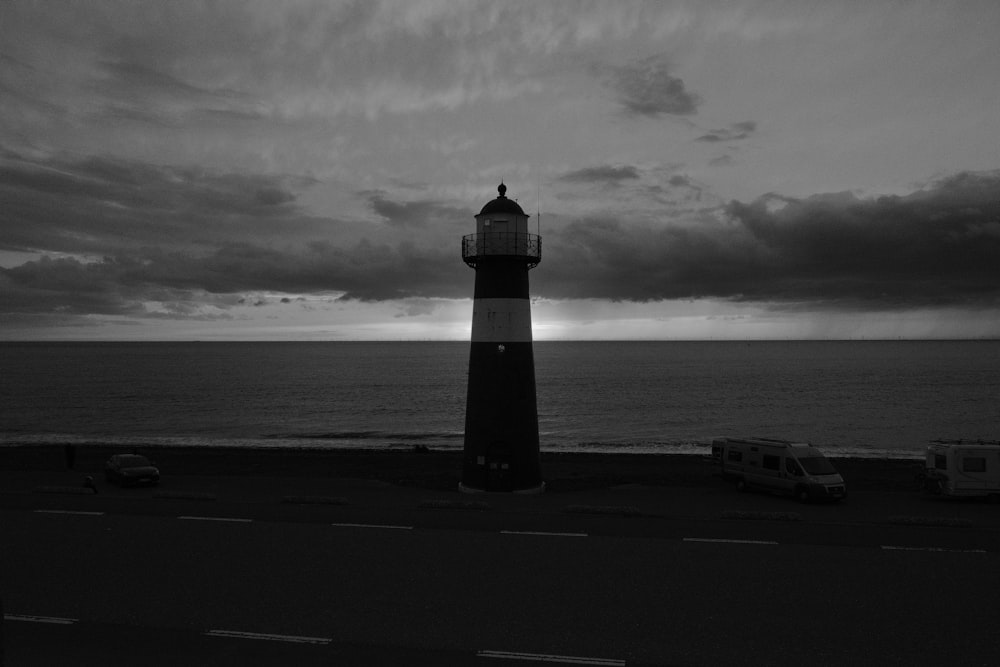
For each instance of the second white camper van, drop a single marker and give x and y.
(795, 468)
(963, 468)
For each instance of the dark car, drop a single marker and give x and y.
(130, 470)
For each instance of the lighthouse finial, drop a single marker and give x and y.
(502, 189)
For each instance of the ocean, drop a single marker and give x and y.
(849, 398)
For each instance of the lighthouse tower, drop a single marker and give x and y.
(501, 414)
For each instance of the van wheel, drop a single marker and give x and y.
(802, 494)
(741, 485)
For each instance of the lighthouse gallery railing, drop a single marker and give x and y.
(476, 247)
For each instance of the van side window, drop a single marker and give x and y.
(974, 464)
(772, 462)
(792, 467)
(940, 461)
(735, 455)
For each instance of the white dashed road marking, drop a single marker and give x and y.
(722, 541)
(292, 639)
(78, 512)
(39, 619)
(889, 547)
(538, 532)
(541, 657)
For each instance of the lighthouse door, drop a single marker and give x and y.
(498, 474)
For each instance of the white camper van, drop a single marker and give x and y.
(795, 468)
(963, 468)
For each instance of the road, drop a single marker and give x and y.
(99, 580)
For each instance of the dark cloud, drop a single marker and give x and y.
(102, 205)
(137, 79)
(647, 88)
(734, 132)
(69, 286)
(140, 91)
(122, 286)
(129, 233)
(272, 196)
(603, 174)
(187, 240)
(693, 190)
(413, 213)
(935, 247)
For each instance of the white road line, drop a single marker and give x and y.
(79, 512)
(889, 547)
(215, 518)
(371, 525)
(722, 541)
(539, 532)
(39, 619)
(541, 657)
(235, 634)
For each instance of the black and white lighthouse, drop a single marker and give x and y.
(501, 413)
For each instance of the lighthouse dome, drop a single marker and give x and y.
(501, 204)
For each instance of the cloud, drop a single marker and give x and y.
(123, 234)
(933, 247)
(734, 132)
(133, 91)
(235, 274)
(417, 308)
(105, 205)
(603, 174)
(142, 240)
(682, 181)
(647, 88)
(414, 213)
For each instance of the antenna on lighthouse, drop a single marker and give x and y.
(538, 207)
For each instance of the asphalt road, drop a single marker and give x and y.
(89, 581)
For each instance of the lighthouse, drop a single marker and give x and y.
(501, 413)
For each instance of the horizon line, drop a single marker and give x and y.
(550, 340)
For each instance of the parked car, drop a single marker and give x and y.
(130, 470)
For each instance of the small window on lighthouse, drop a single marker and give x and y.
(501, 348)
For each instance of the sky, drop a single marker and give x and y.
(283, 170)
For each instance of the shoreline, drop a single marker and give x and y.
(434, 469)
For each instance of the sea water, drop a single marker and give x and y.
(849, 398)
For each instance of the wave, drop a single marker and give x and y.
(383, 441)
(704, 448)
(366, 435)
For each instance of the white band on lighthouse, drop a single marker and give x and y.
(501, 321)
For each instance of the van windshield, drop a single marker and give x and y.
(817, 465)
